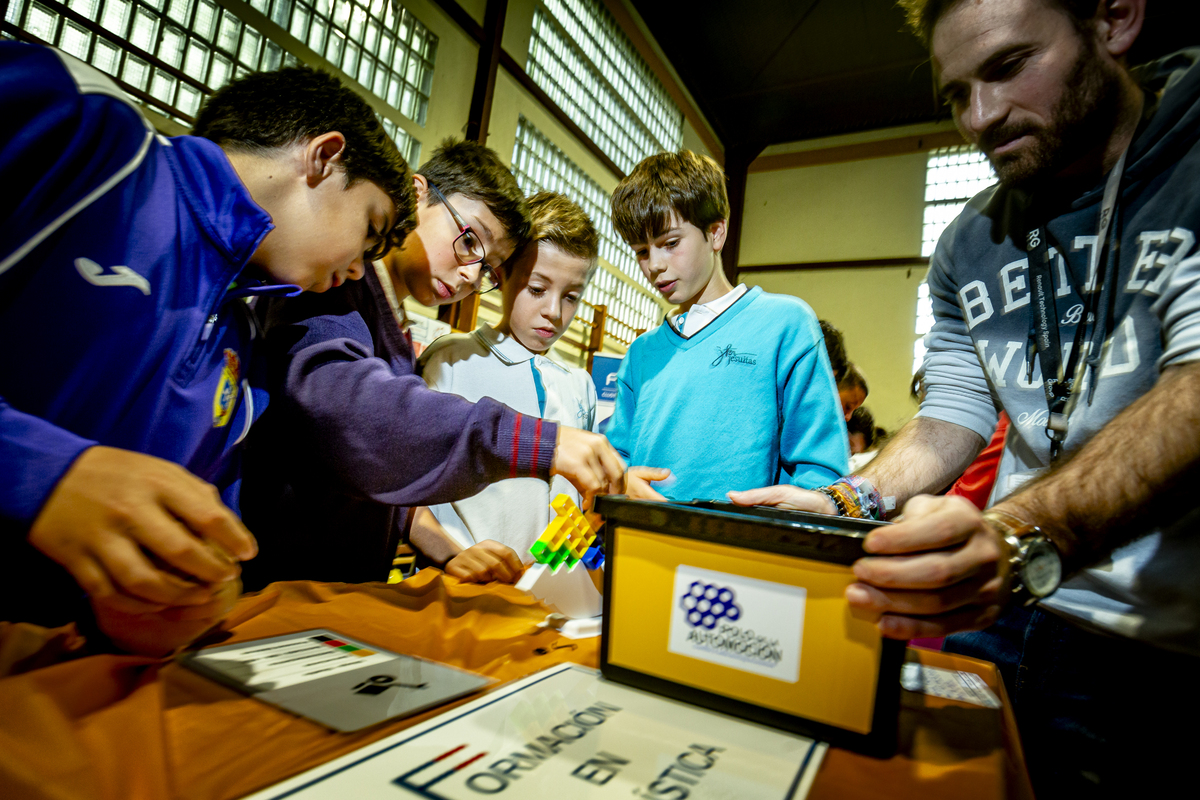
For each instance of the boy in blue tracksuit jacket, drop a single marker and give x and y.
(126, 259)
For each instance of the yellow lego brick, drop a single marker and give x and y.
(563, 504)
(567, 537)
(557, 533)
(579, 546)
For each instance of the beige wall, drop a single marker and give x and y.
(692, 140)
(857, 210)
(835, 212)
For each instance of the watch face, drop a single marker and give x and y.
(1042, 571)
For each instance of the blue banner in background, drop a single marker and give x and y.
(604, 373)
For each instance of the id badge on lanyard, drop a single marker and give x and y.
(1060, 381)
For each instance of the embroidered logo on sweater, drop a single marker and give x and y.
(728, 355)
(94, 274)
(225, 400)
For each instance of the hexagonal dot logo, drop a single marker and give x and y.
(706, 604)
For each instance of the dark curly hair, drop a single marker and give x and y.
(267, 110)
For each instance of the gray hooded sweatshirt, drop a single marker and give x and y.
(978, 348)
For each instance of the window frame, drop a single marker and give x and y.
(618, 283)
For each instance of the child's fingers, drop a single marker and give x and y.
(198, 505)
(792, 498)
(512, 564)
(639, 489)
(467, 568)
(502, 564)
(167, 538)
(650, 473)
(94, 580)
(135, 576)
(612, 467)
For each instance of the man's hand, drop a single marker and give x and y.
(792, 498)
(486, 562)
(637, 483)
(589, 462)
(939, 570)
(115, 511)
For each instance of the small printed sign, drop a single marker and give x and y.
(278, 664)
(744, 623)
(342, 683)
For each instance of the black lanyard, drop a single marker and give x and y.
(1059, 382)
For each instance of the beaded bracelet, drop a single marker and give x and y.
(854, 496)
(838, 502)
(870, 501)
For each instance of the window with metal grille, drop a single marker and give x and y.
(540, 166)
(409, 146)
(585, 62)
(167, 53)
(378, 43)
(171, 53)
(953, 175)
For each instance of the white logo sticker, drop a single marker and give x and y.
(94, 274)
(744, 623)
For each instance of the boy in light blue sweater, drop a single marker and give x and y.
(734, 391)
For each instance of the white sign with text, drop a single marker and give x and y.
(568, 733)
(744, 623)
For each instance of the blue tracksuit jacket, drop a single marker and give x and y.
(123, 273)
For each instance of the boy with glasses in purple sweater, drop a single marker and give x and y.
(354, 438)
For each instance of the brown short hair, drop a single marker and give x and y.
(686, 184)
(923, 15)
(854, 380)
(474, 171)
(557, 219)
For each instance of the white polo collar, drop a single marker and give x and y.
(509, 350)
(699, 316)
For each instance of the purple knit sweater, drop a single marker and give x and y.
(353, 436)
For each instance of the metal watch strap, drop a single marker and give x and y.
(1018, 535)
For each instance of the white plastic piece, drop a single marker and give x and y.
(569, 592)
(581, 628)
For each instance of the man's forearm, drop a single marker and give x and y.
(926, 455)
(1133, 469)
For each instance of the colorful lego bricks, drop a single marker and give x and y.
(567, 539)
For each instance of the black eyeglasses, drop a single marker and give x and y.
(468, 249)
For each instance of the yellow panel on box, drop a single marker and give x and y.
(765, 628)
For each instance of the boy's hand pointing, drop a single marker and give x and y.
(589, 462)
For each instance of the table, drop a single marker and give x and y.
(121, 727)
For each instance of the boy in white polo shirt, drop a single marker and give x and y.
(487, 537)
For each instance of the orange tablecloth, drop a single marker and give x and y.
(125, 728)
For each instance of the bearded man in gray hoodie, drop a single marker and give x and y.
(1068, 296)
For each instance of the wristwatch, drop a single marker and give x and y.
(1033, 561)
